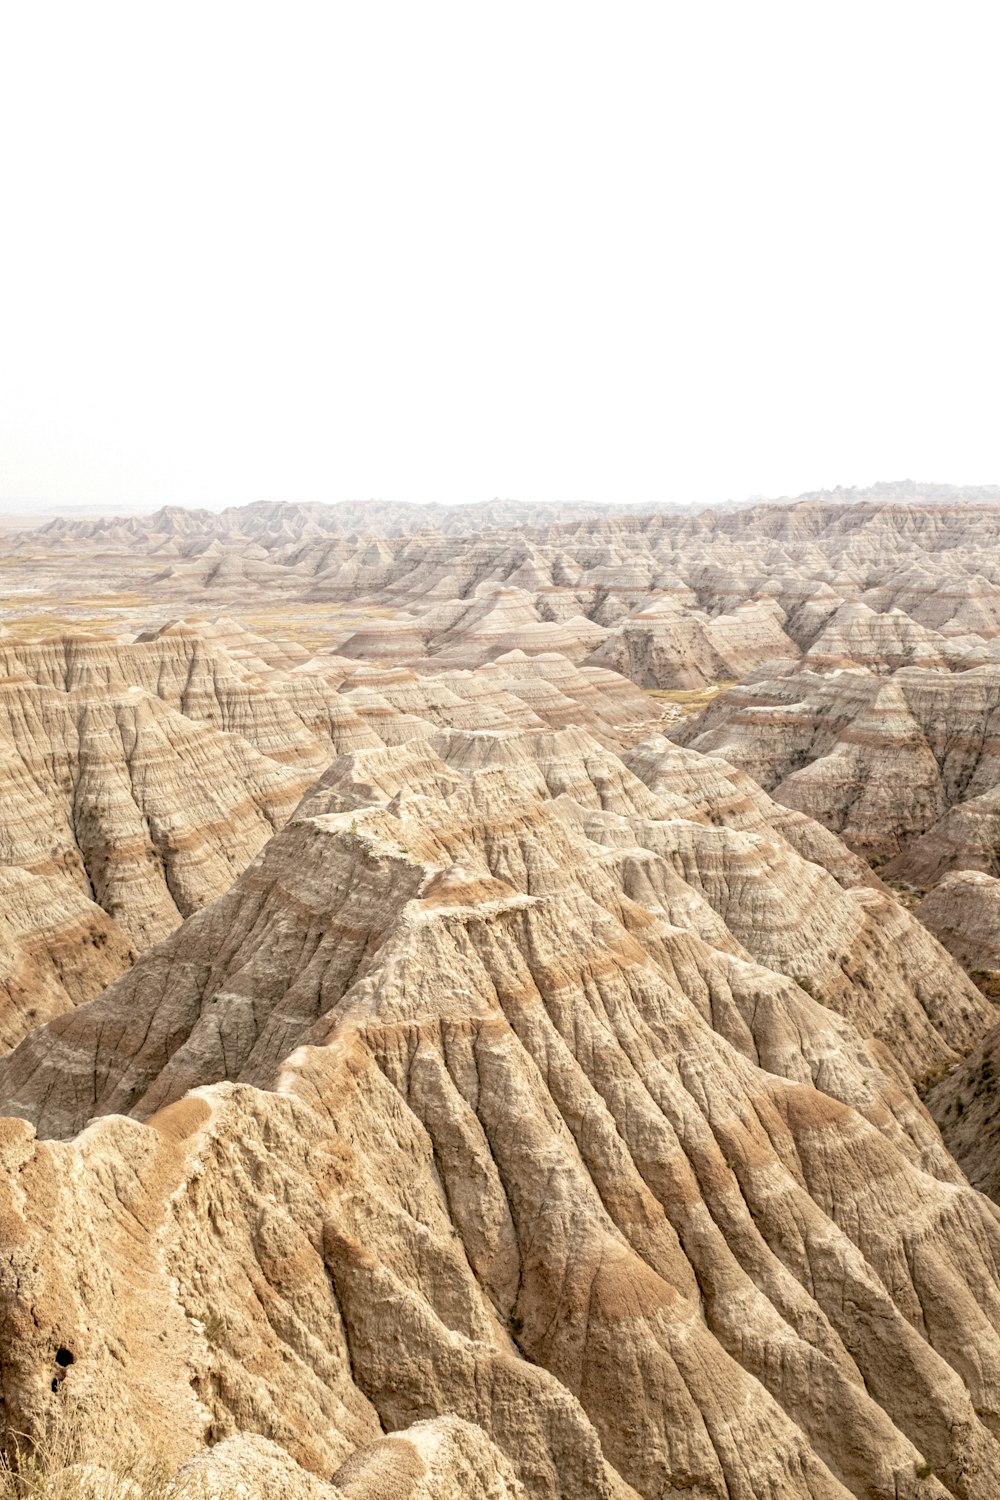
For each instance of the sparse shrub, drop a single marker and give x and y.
(932, 1078)
(988, 982)
(986, 1078)
(215, 1326)
(63, 1466)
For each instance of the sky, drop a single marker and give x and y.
(653, 253)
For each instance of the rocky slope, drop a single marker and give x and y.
(425, 1079)
(674, 599)
(963, 912)
(516, 1083)
(270, 523)
(944, 727)
(138, 780)
(905, 768)
(119, 815)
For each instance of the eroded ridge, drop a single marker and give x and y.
(563, 1099)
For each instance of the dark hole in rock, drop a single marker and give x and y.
(55, 1385)
(64, 1357)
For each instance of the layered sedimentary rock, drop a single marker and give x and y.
(674, 599)
(904, 768)
(856, 634)
(137, 780)
(966, 837)
(966, 1105)
(513, 1085)
(527, 1105)
(664, 646)
(963, 912)
(120, 816)
(57, 949)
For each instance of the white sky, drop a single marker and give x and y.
(541, 250)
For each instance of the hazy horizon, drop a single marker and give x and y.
(25, 510)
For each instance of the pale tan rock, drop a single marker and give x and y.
(137, 781)
(530, 1117)
(965, 1105)
(880, 785)
(518, 1129)
(891, 765)
(966, 837)
(247, 1467)
(685, 598)
(444, 1459)
(118, 816)
(57, 949)
(89, 1481)
(665, 646)
(856, 634)
(963, 912)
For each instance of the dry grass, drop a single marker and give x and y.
(73, 1462)
(65, 1468)
(41, 613)
(38, 626)
(310, 625)
(689, 700)
(905, 894)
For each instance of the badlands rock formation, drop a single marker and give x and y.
(513, 1085)
(963, 912)
(138, 780)
(905, 768)
(423, 1078)
(676, 599)
(123, 810)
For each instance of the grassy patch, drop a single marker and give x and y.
(309, 625)
(63, 1468)
(689, 700)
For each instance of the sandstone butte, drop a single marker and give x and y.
(423, 1077)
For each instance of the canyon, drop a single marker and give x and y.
(505, 1005)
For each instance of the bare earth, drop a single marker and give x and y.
(468, 998)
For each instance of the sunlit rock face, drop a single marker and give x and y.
(138, 780)
(423, 1078)
(673, 599)
(517, 1087)
(904, 767)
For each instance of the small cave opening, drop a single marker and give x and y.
(64, 1357)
